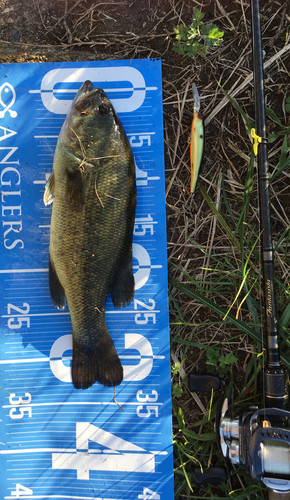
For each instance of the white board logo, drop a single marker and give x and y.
(7, 99)
(58, 81)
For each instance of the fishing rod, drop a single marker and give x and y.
(258, 439)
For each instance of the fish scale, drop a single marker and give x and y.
(91, 231)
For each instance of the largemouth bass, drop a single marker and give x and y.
(93, 190)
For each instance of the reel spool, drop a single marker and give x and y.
(257, 439)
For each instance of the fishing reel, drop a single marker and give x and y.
(256, 439)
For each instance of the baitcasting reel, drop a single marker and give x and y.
(257, 439)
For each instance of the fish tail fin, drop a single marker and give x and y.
(95, 362)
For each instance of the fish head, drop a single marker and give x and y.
(91, 124)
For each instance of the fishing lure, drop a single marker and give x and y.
(197, 140)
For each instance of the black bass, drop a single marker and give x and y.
(93, 190)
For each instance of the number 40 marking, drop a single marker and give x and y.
(114, 454)
(21, 490)
(149, 495)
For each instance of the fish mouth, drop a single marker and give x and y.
(84, 90)
(87, 90)
(86, 87)
(87, 94)
(97, 92)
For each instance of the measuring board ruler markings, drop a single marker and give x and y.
(56, 441)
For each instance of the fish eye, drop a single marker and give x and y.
(103, 109)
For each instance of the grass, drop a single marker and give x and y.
(228, 293)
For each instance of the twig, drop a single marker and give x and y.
(97, 193)
(224, 13)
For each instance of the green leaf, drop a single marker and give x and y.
(229, 210)
(210, 436)
(185, 37)
(197, 17)
(196, 50)
(211, 35)
(213, 356)
(247, 199)
(272, 114)
(287, 104)
(176, 390)
(229, 359)
(284, 151)
(272, 138)
(191, 49)
(176, 367)
(283, 160)
(285, 318)
(192, 33)
(184, 471)
(178, 48)
(181, 32)
(283, 132)
(180, 418)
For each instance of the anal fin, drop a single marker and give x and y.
(55, 287)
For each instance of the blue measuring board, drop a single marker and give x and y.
(55, 441)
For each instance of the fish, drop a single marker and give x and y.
(92, 189)
(197, 140)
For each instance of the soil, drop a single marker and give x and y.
(76, 30)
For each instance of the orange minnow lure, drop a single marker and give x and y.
(197, 140)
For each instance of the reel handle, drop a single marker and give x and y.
(203, 382)
(213, 475)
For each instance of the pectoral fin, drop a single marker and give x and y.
(123, 286)
(75, 189)
(48, 196)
